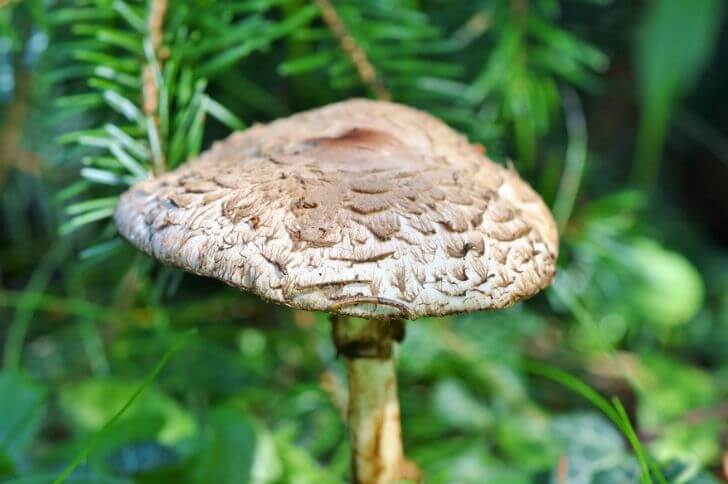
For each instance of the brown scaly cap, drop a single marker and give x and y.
(364, 208)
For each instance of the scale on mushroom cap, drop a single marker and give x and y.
(372, 211)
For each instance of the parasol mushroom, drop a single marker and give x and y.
(371, 211)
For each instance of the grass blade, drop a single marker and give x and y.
(148, 380)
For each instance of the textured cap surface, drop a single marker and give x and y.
(364, 208)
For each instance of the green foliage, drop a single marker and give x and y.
(20, 419)
(239, 451)
(409, 55)
(153, 99)
(676, 42)
(669, 391)
(613, 410)
(92, 414)
(102, 391)
(674, 292)
(530, 57)
(595, 450)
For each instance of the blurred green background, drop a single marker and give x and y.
(614, 110)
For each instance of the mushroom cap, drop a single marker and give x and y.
(364, 208)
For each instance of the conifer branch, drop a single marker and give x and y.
(364, 67)
(151, 79)
(157, 10)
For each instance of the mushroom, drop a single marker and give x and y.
(371, 211)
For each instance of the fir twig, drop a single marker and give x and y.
(151, 78)
(157, 10)
(364, 68)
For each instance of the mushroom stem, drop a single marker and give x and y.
(373, 411)
(375, 434)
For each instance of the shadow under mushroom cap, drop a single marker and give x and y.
(363, 208)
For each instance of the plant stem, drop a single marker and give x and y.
(373, 410)
(29, 301)
(576, 153)
(364, 67)
(650, 141)
(375, 434)
(152, 80)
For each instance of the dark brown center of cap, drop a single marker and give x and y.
(360, 149)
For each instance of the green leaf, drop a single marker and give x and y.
(91, 403)
(174, 431)
(526, 438)
(613, 410)
(299, 466)
(104, 177)
(468, 462)
(128, 14)
(592, 445)
(70, 15)
(46, 478)
(142, 458)
(124, 106)
(88, 205)
(671, 290)
(84, 219)
(457, 407)
(229, 57)
(22, 409)
(239, 451)
(135, 147)
(677, 40)
(669, 390)
(132, 165)
(305, 64)
(222, 114)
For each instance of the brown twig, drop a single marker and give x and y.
(13, 154)
(364, 67)
(150, 89)
(562, 470)
(157, 9)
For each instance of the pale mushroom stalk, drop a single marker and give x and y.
(375, 433)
